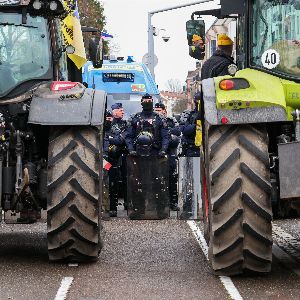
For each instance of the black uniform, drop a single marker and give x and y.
(114, 150)
(115, 136)
(175, 133)
(174, 130)
(188, 128)
(217, 65)
(151, 123)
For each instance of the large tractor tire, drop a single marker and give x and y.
(237, 203)
(74, 206)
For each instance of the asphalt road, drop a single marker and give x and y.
(141, 260)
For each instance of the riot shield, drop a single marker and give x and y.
(105, 201)
(147, 188)
(189, 188)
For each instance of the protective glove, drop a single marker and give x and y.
(132, 153)
(161, 153)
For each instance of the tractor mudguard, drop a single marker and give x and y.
(74, 106)
(289, 173)
(215, 116)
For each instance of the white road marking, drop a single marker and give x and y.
(64, 288)
(288, 249)
(226, 281)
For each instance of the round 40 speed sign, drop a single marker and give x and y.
(270, 59)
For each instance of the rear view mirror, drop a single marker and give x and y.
(96, 47)
(195, 30)
(195, 27)
(96, 51)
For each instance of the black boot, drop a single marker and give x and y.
(113, 213)
(113, 206)
(174, 207)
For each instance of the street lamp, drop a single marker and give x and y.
(151, 31)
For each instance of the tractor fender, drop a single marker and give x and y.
(75, 106)
(214, 116)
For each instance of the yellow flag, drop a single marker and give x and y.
(72, 33)
(198, 137)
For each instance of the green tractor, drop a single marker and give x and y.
(251, 135)
(50, 129)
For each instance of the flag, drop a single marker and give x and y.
(106, 165)
(106, 36)
(71, 29)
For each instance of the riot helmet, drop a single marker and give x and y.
(108, 115)
(144, 143)
(184, 117)
(108, 120)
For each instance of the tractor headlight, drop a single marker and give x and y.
(48, 7)
(53, 5)
(37, 5)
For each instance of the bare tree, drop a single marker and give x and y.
(92, 15)
(174, 85)
(179, 106)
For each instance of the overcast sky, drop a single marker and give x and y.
(127, 21)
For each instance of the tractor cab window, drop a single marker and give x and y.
(24, 50)
(276, 27)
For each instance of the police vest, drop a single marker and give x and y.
(149, 124)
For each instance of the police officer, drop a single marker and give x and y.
(218, 63)
(158, 108)
(174, 131)
(188, 121)
(114, 148)
(147, 132)
(108, 120)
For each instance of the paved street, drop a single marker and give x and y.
(141, 260)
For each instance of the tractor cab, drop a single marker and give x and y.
(35, 46)
(26, 55)
(275, 38)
